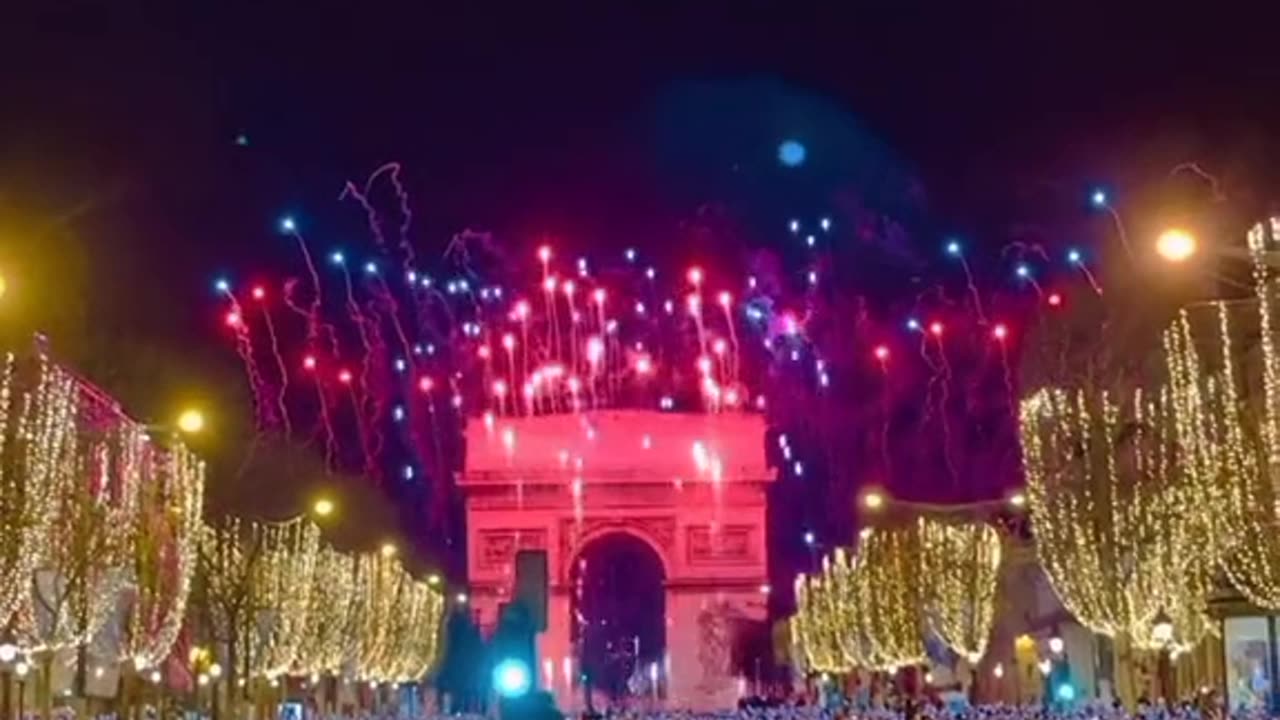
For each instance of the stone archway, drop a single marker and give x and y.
(690, 486)
(617, 610)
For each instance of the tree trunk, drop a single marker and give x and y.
(1125, 684)
(44, 686)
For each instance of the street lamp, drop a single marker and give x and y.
(323, 507)
(1056, 645)
(388, 550)
(873, 500)
(1162, 628)
(191, 421)
(1018, 500)
(21, 669)
(1176, 245)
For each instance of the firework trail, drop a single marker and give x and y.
(284, 372)
(235, 319)
(330, 443)
(345, 378)
(364, 327)
(313, 313)
(1215, 187)
(1120, 231)
(882, 356)
(379, 357)
(942, 407)
(1008, 374)
(1088, 275)
(393, 309)
(726, 302)
(973, 291)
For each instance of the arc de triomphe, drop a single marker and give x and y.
(690, 486)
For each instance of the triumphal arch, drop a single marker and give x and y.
(689, 486)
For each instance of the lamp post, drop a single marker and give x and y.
(8, 654)
(21, 669)
(1162, 633)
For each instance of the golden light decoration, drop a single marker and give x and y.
(870, 610)
(962, 564)
(1118, 517)
(1230, 417)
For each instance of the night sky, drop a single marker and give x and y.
(143, 151)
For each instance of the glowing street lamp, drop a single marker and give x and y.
(873, 500)
(323, 507)
(1176, 245)
(1162, 628)
(388, 550)
(1018, 500)
(191, 421)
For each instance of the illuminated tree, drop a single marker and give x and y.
(1119, 521)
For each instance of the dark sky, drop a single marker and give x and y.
(595, 122)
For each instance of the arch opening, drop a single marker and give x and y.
(618, 616)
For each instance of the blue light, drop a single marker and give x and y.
(1066, 692)
(221, 285)
(953, 248)
(337, 258)
(463, 286)
(799, 468)
(1073, 256)
(511, 678)
(411, 276)
(400, 365)
(630, 254)
(287, 224)
(397, 413)
(825, 223)
(1098, 198)
(791, 153)
(408, 472)
(426, 281)
(913, 324)
(810, 240)
(1023, 271)
(809, 538)
(371, 268)
(794, 226)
